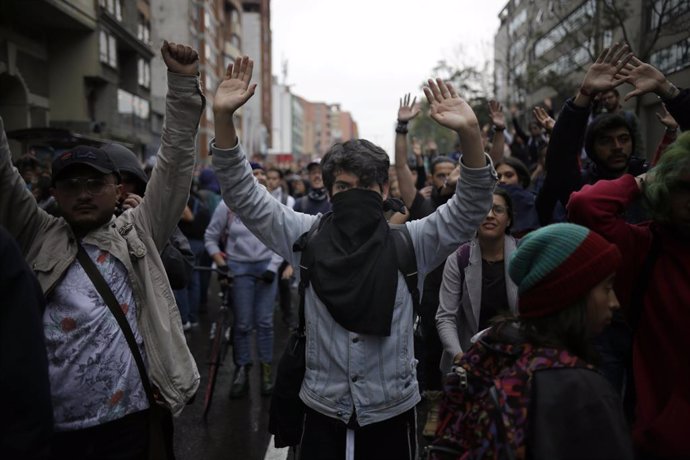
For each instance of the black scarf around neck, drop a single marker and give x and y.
(353, 263)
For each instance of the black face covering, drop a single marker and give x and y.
(354, 270)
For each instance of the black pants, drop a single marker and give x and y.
(394, 439)
(123, 439)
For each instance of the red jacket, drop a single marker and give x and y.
(661, 349)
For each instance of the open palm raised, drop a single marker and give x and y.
(447, 108)
(235, 88)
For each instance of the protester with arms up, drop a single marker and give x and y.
(100, 403)
(360, 381)
(656, 263)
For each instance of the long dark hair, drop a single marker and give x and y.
(566, 329)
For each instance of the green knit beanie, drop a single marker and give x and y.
(557, 265)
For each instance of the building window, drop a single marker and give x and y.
(210, 55)
(664, 11)
(144, 73)
(113, 7)
(107, 49)
(673, 58)
(574, 21)
(132, 109)
(144, 30)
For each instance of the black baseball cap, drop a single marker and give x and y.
(87, 155)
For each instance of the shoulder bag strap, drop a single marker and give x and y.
(407, 261)
(109, 298)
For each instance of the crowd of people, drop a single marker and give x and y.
(552, 274)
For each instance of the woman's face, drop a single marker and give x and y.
(601, 301)
(496, 222)
(507, 175)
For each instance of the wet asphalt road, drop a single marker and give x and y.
(235, 429)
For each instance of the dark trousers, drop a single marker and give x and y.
(325, 438)
(123, 439)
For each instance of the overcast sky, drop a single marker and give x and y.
(365, 54)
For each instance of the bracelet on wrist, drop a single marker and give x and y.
(584, 92)
(496, 128)
(401, 128)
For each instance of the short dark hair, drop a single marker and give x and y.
(612, 90)
(601, 124)
(367, 161)
(274, 169)
(520, 169)
(440, 159)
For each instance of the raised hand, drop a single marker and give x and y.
(407, 110)
(645, 78)
(667, 119)
(235, 89)
(543, 118)
(496, 115)
(447, 108)
(604, 75)
(180, 59)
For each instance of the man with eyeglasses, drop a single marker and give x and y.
(101, 409)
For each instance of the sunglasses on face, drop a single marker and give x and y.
(76, 185)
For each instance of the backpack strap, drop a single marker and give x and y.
(463, 257)
(305, 264)
(407, 261)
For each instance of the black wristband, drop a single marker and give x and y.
(496, 128)
(401, 128)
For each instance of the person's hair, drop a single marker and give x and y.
(360, 157)
(566, 328)
(438, 160)
(673, 166)
(274, 169)
(599, 126)
(533, 123)
(509, 205)
(520, 169)
(612, 90)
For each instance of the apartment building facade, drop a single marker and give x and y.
(81, 67)
(543, 47)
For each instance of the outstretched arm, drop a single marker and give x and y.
(450, 110)
(232, 94)
(648, 79)
(275, 225)
(670, 133)
(406, 112)
(168, 190)
(498, 120)
(563, 171)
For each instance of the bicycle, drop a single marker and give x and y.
(220, 335)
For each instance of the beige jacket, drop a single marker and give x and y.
(136, 238)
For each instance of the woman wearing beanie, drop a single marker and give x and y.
(527, 388)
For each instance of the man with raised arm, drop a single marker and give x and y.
(360, 386)
(100, 405)
(653, 283)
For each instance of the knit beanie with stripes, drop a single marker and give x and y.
(558, 265)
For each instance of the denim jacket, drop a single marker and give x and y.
(136, 238)
(375, 376)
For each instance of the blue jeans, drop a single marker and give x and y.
(253, 301)
(188, 298)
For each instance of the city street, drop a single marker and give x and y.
(235, 429)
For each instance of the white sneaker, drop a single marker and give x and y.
(186, 326)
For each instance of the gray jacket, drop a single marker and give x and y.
(456, 325)
(136, 238)
(344, 370)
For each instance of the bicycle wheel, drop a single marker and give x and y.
(215, 360)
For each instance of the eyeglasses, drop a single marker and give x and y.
(75, 185)
(498, 210)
